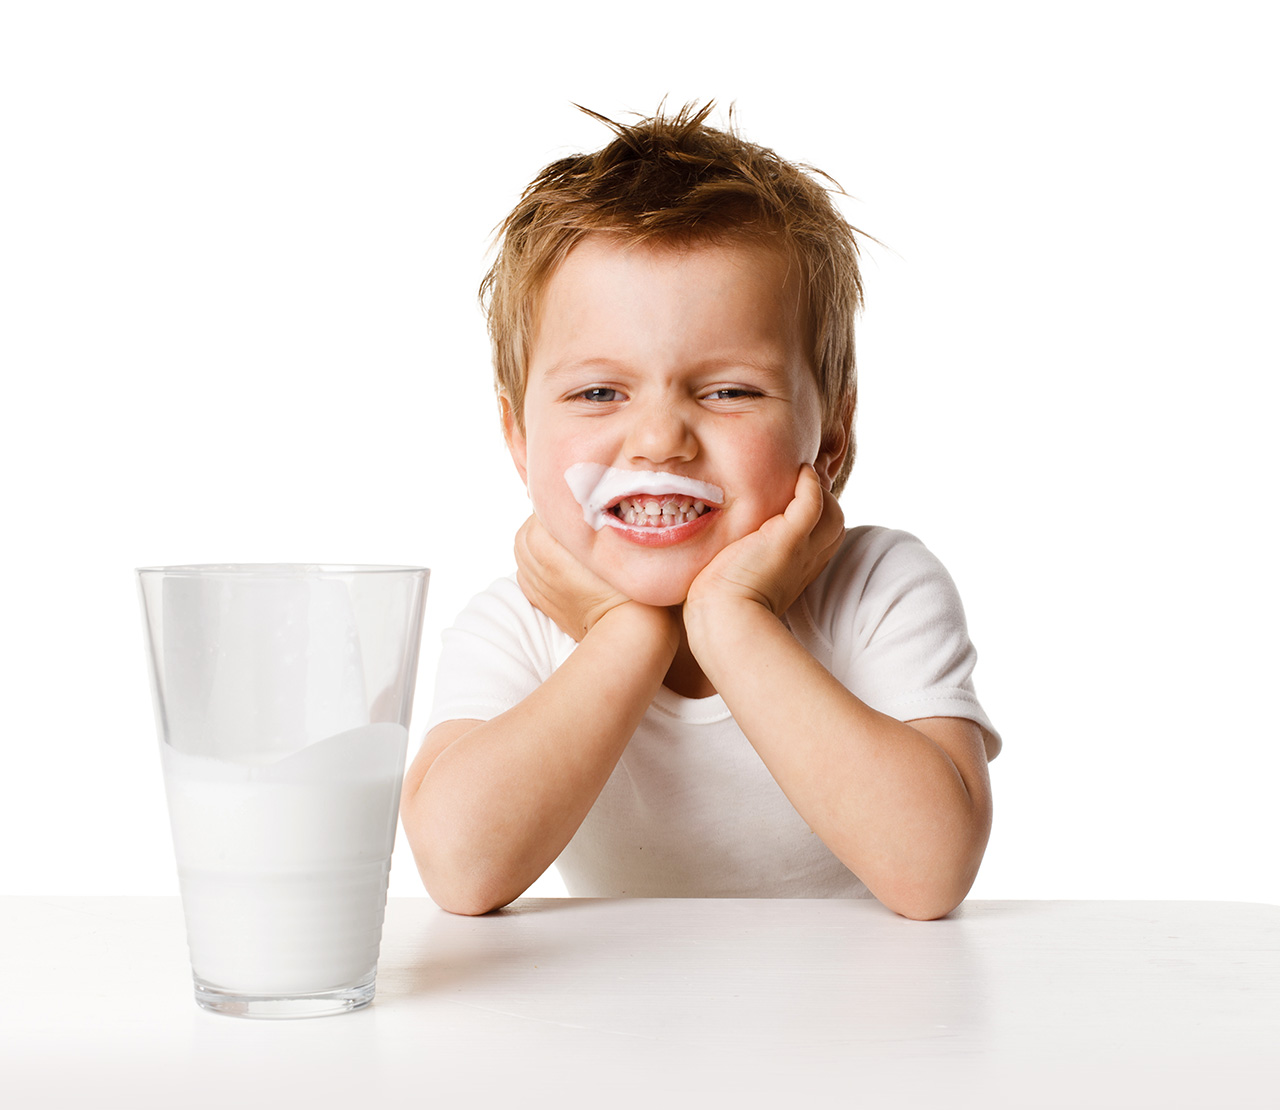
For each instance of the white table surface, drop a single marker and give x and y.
(658, 1003)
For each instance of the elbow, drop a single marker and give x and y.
(461, 890)
(925, 909)
(924, 901)
(470, 893)
(466, 903)
(454, 879)
(466, 890)
(930, 894)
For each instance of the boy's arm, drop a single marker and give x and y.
(905, 806)
(489, 805)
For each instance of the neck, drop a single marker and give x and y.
(684, 676)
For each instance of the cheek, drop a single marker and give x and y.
(548, 492)
(553, 500)
(770, 471)
(542, 465)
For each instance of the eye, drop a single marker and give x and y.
(732, 393)
(600, 394)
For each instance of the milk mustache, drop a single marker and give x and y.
(596, 487)
(283, 864)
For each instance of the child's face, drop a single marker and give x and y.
(683, 361)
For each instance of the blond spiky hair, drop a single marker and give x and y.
(672, 179)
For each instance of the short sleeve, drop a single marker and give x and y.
(498, 651)
(892, 629)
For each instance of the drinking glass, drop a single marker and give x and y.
(282, 698)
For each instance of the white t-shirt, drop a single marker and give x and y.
(690, 810)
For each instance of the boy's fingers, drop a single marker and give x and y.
(831, 523)
(805, 510)
(535, 543)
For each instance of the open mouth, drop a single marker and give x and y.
(646, 506)
(652, 511)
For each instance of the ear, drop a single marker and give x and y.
(831, 455)
(514, 436)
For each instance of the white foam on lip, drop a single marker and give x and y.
(597, 486)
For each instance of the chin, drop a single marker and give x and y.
(660, 591)
(662, 598)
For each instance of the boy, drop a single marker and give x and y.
(698, 683)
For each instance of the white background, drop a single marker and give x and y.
(239, 249)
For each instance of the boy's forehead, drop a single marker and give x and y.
(610, 287)
(577, 280)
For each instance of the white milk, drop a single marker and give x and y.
(283, 866)
(596, 487)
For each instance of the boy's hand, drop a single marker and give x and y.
(774, 564)
(558, 584)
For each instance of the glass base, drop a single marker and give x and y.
(319, 1004)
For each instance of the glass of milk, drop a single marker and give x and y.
(282, 697)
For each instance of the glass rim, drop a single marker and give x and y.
(276, 570)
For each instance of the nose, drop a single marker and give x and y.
(661, 431)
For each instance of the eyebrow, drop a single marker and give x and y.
(774, 368)
(588, 366)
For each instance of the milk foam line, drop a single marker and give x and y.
(597, 486)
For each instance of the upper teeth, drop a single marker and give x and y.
(599, 489)
(649, 510)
